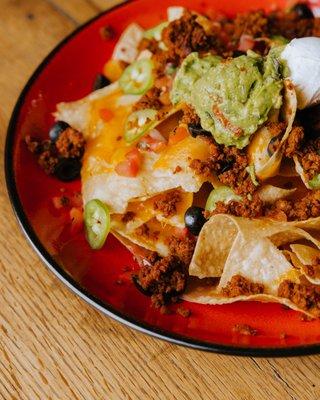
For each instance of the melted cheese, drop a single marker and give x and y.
(183, 152)
(144, 211)
(109, 147)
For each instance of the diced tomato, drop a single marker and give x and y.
(181, 233)
(113, 69)
(131, 165)
(157, 146)
(127, 168)
(134, 155)
(106, 114)
(154, 142)
(180, 133)
(246, 42)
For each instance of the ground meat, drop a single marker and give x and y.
(145, 232)
(313, 271)
(164, 279)
(167, 204)
(202, 168)
(254, 23)
(289, 25)
(127, 217)
(300, 209)
(34, 145)
(46, 152)
(149, 100)
(309, 158)
(184, 312)
(229, 164)
(148, 44)
(190, 117)
(70, 144)
(304, 295)
(246, 208)
(48, 161)
(183, 248)
(244, 329)
(240, 286)
(294, 141)
(185, 35)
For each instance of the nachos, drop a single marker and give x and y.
(198, 152)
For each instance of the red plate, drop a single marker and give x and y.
(102, 277)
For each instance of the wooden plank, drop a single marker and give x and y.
(53, 345)
(78, 11)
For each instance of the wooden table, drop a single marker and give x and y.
(55, 346)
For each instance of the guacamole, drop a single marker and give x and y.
(192, 69)
(232, 98)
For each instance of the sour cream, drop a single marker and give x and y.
(302, 57)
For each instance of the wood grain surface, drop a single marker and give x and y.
(55, 346)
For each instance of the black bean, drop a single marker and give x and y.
(56, 130)
(194, 219)
(303, 11)
(100, 82)
(196, 130)
(68, 169)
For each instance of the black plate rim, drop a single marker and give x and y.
(72, 285)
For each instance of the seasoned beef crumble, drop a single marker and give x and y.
(185, 35)
(183, 248)
(167, 205)
(128, 216)
(190, 117)
(309, 157)
(294, 141)
(70, 144)
(149, 100)
(247, 208)
(240, 286)
(145, 232)
(165, 278)
(229, 164)
(301, 209)
(313, 271)
(304, 295)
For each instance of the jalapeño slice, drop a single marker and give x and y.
(97, 223)
(137, 78)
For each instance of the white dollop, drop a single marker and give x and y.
(303, 60)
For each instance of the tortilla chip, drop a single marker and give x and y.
(230, 246)
(268, 167)
(155, 238)
(143, 211)
(305, 256)
(83, 114)
(211, 251)
(127, 47)
(204, 294)
(270, 193)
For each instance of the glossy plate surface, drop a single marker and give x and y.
(103, 277)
